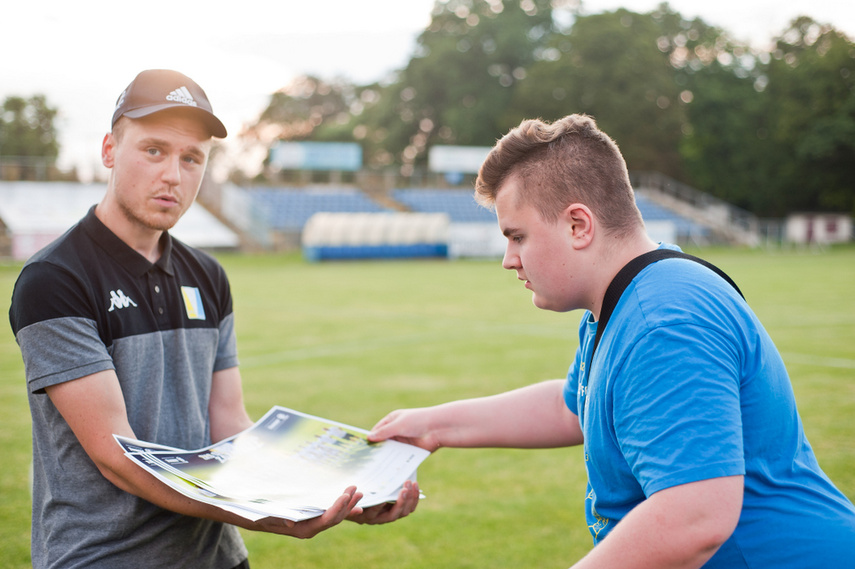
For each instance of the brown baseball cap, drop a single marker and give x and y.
(156, 90)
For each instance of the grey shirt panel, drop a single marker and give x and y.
(82, 520)
(68, 348)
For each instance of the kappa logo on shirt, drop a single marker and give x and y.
(119, 300)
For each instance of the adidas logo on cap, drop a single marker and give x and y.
(181, 95)
(155, 90)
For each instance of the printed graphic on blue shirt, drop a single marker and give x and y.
(596, 522)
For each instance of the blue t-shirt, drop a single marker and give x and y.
(686, 385)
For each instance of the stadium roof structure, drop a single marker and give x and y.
(36, 213)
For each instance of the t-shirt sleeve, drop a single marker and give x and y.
(571, 386)
(54, 328)
(227, 346)
(678, 418)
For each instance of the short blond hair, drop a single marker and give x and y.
(567, 161)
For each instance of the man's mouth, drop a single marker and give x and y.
(166, 200)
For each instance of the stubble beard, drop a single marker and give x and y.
(152, 221)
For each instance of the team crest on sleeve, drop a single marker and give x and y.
(193, 303)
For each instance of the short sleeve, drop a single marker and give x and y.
(227, 345)
(571, 386)
(54, 327)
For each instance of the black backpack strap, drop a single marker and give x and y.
(630, 270)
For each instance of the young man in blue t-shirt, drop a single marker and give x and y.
(693, 446)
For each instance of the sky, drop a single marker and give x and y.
(82, 54)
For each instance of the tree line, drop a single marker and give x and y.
(769, 131)
(28, 139)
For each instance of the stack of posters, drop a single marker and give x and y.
(287, 465)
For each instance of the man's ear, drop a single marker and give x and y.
(580, 224)
(108, 148)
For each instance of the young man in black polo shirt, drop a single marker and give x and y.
(125, 330)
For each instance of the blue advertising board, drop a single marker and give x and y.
(345, 156)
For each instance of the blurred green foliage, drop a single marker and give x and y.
(769, 129)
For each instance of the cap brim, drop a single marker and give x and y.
(215, 127)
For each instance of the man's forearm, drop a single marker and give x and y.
(534, 416)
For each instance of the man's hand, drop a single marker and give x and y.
(342, 508)
(407, 501)
(409, 426)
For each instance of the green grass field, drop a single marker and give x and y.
(352, 341)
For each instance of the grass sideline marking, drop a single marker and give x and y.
(818, 361)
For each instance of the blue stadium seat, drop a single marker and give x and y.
(288, 209)
(651, 211)
(460, 205)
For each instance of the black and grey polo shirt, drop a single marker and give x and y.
(87, 303)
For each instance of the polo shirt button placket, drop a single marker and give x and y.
(158, 300)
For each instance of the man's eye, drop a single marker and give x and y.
(153, 151)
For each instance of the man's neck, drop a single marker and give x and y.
(615, 255)
(144, 241)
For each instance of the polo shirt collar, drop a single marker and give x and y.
(123, 253)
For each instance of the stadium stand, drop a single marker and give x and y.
(714, 220)
(273, 218)
(682, 230)
(288, 209)
(36, 213)
(461, 208)
(460, 205)
(390, 235)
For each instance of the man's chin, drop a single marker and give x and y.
(544, 304)
(161, 221)
(540, 302)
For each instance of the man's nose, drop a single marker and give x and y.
(510, 261)
(172, 171)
